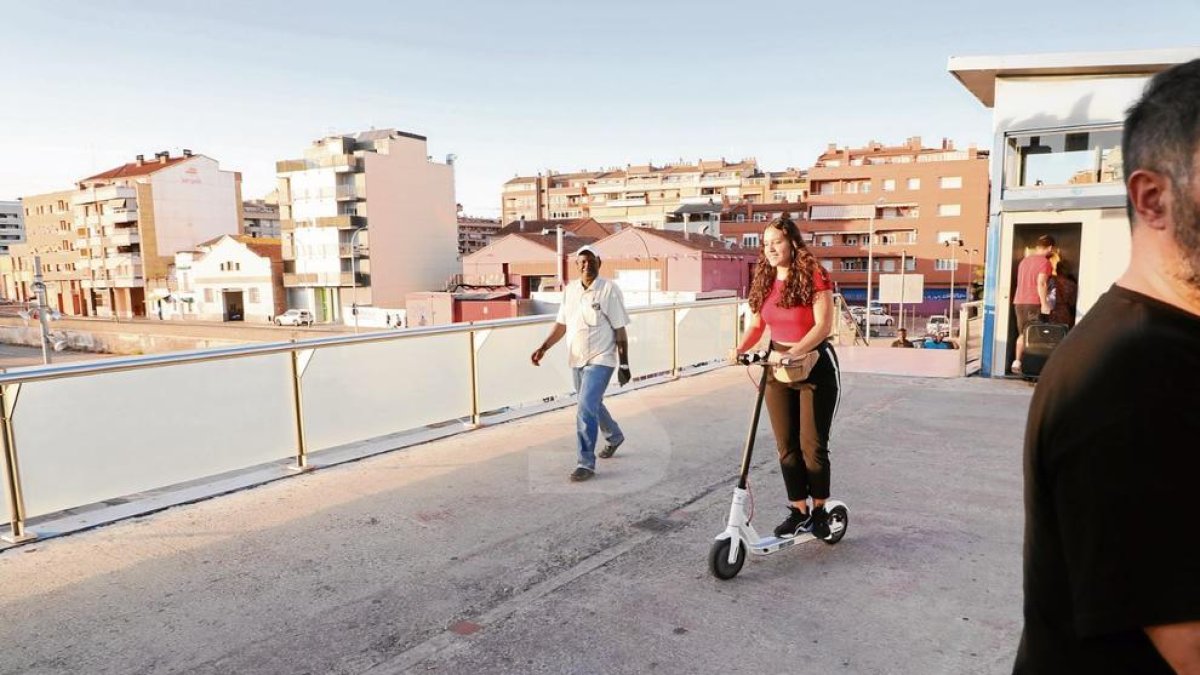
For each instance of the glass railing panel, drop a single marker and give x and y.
(649, 343)
(506, 376)
(705, 333)
(87, 439)
(5, 512)
(360, 391)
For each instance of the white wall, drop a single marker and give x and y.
(1051, 102)
(316, 251)
(194, 201)
(411, 217)
(313, 194)
(254, 273)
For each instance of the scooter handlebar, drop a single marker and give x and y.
(763, 358)
(752, 358)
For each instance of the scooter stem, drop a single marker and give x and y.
(749, 451)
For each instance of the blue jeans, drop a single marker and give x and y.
(590, 382)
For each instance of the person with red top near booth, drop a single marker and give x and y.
(792, 296)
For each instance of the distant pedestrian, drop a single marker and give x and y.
(901, 340)
(1031, 301)
(593, 316)
(1112, 565)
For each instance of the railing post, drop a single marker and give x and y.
(12, 474)
(475, 418)
(298, 410)
(737, 325)
(674, 342)
(964, 328)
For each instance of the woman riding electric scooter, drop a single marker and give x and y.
(792, 296)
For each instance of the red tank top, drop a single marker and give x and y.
(791, 324)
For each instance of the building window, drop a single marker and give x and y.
(889, 184)
(1064, 158)
(760, 217)
(889, 265)
(741, 217)
(750, 240)
(253, 295)
(828, 265)
(950, 182)
(850, 240)
(910, 264)
(945, 236)
(866, 187)
(949, 209)
(914, 183)
(825, 240)
(945, 264)
(853, 265)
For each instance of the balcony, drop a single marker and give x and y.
(119, 216)
(339, 163)
(342, 222)
(635, 201)
(323, 279)
(347, 193)
(102, 194)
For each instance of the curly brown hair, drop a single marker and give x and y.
(798, 290)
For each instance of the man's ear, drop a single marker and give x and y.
(1149, 193)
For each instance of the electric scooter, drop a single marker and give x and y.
(728, 552)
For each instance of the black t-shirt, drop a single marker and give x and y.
(1112, 513)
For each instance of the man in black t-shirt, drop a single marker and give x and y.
(1112, 447)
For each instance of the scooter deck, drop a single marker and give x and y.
(770, 545)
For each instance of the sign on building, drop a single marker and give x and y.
(892, 293)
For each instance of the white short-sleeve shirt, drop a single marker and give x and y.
(592, 316)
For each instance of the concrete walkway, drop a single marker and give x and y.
(475, 555)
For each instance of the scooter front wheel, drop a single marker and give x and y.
(839, 521)
(718, 559)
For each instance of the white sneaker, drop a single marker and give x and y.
(1016, 367)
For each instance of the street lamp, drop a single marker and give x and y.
(649, 258)
(354, 273)
(954, 245)
(870, 263)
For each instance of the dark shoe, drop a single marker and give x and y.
(819, 523)
(610, 449)
(797, 523)
(581, 473)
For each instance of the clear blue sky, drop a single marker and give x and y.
(515, 87)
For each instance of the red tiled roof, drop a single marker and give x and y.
(264, 247)
(134, 169)
(698, 242)
(550, 241)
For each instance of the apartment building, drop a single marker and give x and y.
(50, 235)
(12, 225)
(661, 197)
(921, 210)
(475, 233)
(1057, 169)
(260, 219)
(129, 222)
(366, 219)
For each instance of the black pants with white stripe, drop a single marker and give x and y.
(801, 416)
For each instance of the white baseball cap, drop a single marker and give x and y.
(587, 249)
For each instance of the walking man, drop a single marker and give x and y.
(1112, 565)
(592, 316)
(1033, 291)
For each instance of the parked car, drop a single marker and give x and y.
(878, 317)
(938, 324)
(295, 317)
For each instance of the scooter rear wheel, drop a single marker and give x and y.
(839, 522)
(718, 559)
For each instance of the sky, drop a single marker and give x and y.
(515, 87)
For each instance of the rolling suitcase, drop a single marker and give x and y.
(1040, 340)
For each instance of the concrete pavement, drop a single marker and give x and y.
(474, 554)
